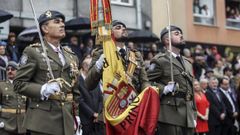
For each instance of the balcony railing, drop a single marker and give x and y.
(203, 19)
(233, 23)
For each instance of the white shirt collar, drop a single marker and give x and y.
(174, 54)
(54, 47)
(118, 48)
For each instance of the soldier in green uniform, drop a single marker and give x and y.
(177, 107)
(139, 79)
(13, 105)
(49, 80)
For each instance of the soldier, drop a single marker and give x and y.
(178, 113)
(139, 79)
(51, 109)
(12, 105)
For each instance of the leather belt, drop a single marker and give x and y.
(62, 97)
(15, 111)
(183, 95)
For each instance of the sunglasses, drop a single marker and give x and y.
(12, 69)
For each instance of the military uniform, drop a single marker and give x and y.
(55, 115)
(139, 79)
(12, 110)
(178, 109)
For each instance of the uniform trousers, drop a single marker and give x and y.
(169, 129)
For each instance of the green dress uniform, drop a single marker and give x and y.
(12, 110)
(179, 109)
(139, 79)
(55, 115)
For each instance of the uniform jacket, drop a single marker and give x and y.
(46, 116)
(174, 110)
(10, 100)
(139, 79)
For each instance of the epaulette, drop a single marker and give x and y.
(189, 60)
(160, 55)
(35, 45)
(68, 49)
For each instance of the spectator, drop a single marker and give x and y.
(196, 7)
(208, 74)
(204, 84)
(154, 49)
(12, 49)
(131, 46)
(230, 106)
(218, 69)
(88, 46)
(3, 60)
(90, 105)
(227, 71)
(74, 45)
(202, 105)
(216, 110)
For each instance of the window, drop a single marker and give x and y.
(233, 14)
(204, 12)
(123, 2)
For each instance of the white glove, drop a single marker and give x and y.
(195, 123)
(169, 88)
(1, 124)
(49, 89)
(79, 129)
(99, 63)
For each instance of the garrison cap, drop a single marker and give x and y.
(13, 64)
(165, 30)
(116, 22)
(49, 15)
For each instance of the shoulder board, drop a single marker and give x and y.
(35, 45)
(160, 55)
(187, 59)
(68, 49)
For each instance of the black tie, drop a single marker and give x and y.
(122, 53)
(180, 60)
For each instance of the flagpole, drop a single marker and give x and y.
(170, 39)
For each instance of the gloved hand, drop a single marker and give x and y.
(79, 129)
(100, 62)
(1, 124)
(169, 88)
(49, 89)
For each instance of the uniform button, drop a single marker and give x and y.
(6, 88)
(62, 104)
(37, 105)
(168, 102)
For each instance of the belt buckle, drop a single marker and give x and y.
(62, 96)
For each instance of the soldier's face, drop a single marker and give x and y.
(55, 28)
(11, 72)
(177, 38)
(119, 32)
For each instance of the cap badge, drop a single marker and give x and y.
(48, 14)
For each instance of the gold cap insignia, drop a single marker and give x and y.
(48, 14)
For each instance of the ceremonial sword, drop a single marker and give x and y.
(41, 41)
